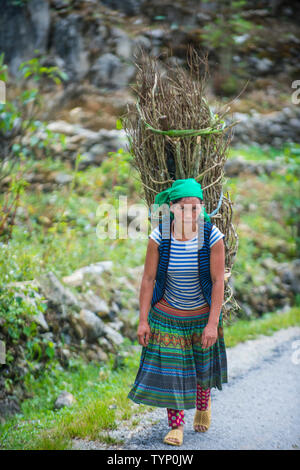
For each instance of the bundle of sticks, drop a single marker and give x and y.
(174, 134)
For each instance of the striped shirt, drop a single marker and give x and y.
(183, 289)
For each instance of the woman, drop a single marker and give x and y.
(180, 324)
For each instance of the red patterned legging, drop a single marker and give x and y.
(176, 417)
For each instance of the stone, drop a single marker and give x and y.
(77, 277)
(68, 44)
(92, 355)
(55, 291)
(95, 303)
(8, 407)
(66, 353)
(123, 43)
(110, 72)
(22, 30)
(92, 324)
(40, 320)
(104, 343)
(102, 356)
(116, 325)
(97, 149)
(269, 263)
(64, 399)
(130, 7)
(113, 336)
(295, 276)
(79, 331)
(63, 178)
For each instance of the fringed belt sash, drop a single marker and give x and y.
(167, 308)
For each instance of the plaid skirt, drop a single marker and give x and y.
(174, 361)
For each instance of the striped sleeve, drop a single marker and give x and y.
(156, 235)
(215, 235)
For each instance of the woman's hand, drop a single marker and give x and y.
(209, 336)
(143, 333)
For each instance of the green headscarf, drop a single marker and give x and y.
(188, 187)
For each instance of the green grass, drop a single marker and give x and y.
(256, 152)
(267, 324)
(94, 387)
(97, 388)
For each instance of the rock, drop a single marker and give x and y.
(96, 269)
(97, 149)
(66, 353)
(130, 7)
(234, 166)
(92, 355)
(262, 65)
(39, 316)
(31, 21)
(272, 129)
(109, 72)
(116, 325)
(269, 263)
(64, 127)
(94, 303)
(63, 178)
(8, 407)
(93, 146)
(295, 276)
(64, 399)
(79, 331)
(48, 336)
(113, 336)
(40, 320)
(285, 273)
(141, 41)
(276, 280)
(270, 166)
(295, 123)
(126, 283)
(116, 305)
(241, 39)
(56, 292)
(102, 356)
(202, 17)
(75, 279)
(123, 43)
(58, 4)
(68, 44)
(287, 112)
(286, 308)
(104, 343)
(247, 309)
(87, 160)
(92, 324)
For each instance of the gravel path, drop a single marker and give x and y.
(257, 409)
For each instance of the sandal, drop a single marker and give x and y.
(202, 418)
(174, 434)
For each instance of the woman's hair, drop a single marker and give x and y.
(180, 198)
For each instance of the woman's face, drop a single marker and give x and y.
(187, 210)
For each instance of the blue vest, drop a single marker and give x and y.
(203, 266)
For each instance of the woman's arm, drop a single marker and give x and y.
(147, 284)
(217, 271)
(146, 291)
